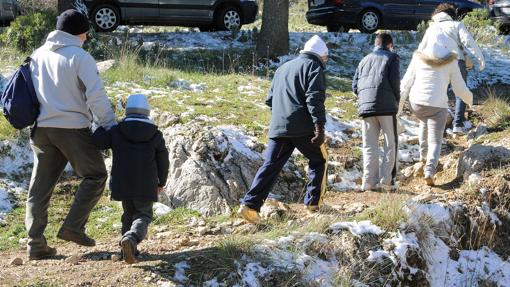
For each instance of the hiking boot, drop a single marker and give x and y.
(429, 180)
(249, 214)
(128, 250)
(42, 253)
(79, 238)
(460, 131)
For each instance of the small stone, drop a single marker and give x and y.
(23, 241)
(148, 279)
(201, 223)
(73, 259)
(116, 258)
(16, 261)
(203, 230)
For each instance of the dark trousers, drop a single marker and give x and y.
(460, 106)
(278, 152)
(53, 148)
(136, 219)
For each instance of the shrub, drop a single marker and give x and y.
(27, 33)
(495, 112)
(33, 6)
(481, 26)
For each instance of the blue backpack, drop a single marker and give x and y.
(19, 100)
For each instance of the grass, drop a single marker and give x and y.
(388, 213)
(495, 112)
(103, 221)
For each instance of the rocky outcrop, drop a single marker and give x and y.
(481, 157)
(211, 168)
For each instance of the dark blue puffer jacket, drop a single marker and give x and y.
(377, 83)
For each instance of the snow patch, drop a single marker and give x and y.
(180, 272)
(356, 228)
(161, 209)
(238, 141)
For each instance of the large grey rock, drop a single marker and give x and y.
(211, 168)
(480, 157)
(479, 131)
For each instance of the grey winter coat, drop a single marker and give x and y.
(297, 97)
(377, 83)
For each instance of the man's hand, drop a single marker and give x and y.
(161, 190)
(319, 137)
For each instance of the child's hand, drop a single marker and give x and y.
(161, 190)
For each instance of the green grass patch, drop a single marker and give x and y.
(103, 222)
(7, 132)
(178, 216)
(388, 213)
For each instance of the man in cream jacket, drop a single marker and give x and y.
(71, 94)
(426, 82)
(459, 41)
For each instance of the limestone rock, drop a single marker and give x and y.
(211, 168)
(273, 209)
(105, 65)
(479, 131)
(479, 157)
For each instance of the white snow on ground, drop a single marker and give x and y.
(335, 129)
(161, 209)
(238, 141)
(291, 254)
(348, 180)
(249, 90)
(378, 255)
(356, 228)
(472, 266)
(180, 272)
(15, 158)
(5, 203)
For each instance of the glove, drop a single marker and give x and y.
(319, 137)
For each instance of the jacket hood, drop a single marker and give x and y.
(60, 39)
(436, 62)
(441, 17)
(137, 131)
(314, 56)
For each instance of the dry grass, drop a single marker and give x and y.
(495, 111)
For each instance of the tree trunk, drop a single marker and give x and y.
(64, 5)
(273, 39)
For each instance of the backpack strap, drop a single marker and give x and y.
(27, 62)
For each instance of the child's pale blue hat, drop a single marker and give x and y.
(138, 104)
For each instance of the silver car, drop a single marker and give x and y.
(9, 10)
(208, 15)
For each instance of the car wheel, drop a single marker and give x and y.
(369, 21)
(228, 18)
(106, 18)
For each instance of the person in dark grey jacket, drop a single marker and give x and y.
(139, 171)
(296, 99)
(377, 85)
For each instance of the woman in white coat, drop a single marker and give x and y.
(426, 82)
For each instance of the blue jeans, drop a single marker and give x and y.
(460, 106)
(278, 152)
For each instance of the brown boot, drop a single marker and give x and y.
(42, 253)
(128, 250)
(79, 238)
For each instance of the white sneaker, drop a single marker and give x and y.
(459, 131)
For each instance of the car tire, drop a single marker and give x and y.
(369, 21)
(228, 19)
(105, 18)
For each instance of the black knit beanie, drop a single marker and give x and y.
(73, 22)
